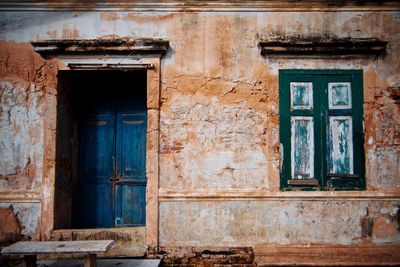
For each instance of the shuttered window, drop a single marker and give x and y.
(321, 129)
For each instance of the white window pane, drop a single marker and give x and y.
(339, 95)
(301, 95)
(302, 147)
(340, 145)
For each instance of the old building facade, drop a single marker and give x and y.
(255, 132)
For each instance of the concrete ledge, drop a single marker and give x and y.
(324, 255)
(20, 197)
(211, 194)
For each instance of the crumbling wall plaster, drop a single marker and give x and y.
(21, 109)
(245, 223)
(216, 145)
(21, 136)
(382, 139)
(19, 221)
(25, 83)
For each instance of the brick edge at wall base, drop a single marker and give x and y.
(202, 255)
(324, 255)
(279, 255)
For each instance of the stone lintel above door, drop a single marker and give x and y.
(98, 54)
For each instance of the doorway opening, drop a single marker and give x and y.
(101, 149)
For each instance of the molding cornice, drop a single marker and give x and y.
(322, 46)
(20, 197)
(101, 46)
(201, 6)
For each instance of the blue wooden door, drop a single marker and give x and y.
(112, 170)
(130, 185)
(96, 150)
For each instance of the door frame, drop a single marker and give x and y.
(115, 53)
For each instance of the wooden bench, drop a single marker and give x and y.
(30, 250)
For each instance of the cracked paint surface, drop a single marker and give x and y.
(21, 136)
(19, 222)
(276, 222)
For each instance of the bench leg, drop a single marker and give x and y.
(30, 261)
(90, 260)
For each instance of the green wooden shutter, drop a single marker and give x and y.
(321, 129)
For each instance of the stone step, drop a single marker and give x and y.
(101, 263)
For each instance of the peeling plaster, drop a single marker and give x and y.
(285, 222)
(28, 218)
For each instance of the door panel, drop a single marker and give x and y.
(130, 204)
(96, 150)
(130, 190)
(96, 206)
(132, 151)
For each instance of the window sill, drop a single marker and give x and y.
(303, 182)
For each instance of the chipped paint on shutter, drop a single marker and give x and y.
(339, 95)
(301, 96)
(302, 147)
(340, 145)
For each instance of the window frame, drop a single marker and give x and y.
(320, 114)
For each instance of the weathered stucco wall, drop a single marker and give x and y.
(21, 120)
(24, 85)
(219, 123)
(19, 222)
(246, 223)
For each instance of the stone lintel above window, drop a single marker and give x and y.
(320, 46)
